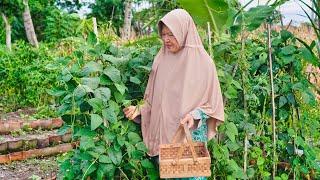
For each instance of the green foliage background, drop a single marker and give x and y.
(87, 80)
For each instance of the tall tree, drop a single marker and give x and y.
(109, 10)
(9, 9)
(8, 30)
(28, 25)
(71, 6)
(126, 32)
(145, 19)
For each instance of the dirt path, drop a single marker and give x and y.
(31, 169)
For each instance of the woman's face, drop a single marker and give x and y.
(169, 41)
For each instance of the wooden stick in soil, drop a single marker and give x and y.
(95, 27)
(210, 53)
(209, 40)
(294, 141)
(272, 102)
(318, 22)
(245, 109)
(281, 19)
(293, 108)
(245, 155)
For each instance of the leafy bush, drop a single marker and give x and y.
(59, 25)
(24, 78)
(250, 123)
(96, 82)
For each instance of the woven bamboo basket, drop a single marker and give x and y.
(180, 160)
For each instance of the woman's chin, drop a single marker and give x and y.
(172, 50)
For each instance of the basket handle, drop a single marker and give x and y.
(185, 129)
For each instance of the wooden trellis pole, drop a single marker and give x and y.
(272, 103)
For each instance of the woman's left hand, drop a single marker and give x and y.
(187, 119)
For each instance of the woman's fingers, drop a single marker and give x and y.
(125, 110)
(133, 115)
(130, 115)
(189, 120)
(184, 121)
(131, 112)
(128, 111)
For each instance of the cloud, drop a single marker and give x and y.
(290, 10)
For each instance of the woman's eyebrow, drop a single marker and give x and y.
(168, 33)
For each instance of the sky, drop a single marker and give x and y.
(291, 10)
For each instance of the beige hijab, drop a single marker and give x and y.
(178, 84)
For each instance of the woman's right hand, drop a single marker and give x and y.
(131, 112)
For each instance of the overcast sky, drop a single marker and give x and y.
(289, 10)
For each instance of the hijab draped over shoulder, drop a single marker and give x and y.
(179, 83)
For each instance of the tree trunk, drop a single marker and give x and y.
(28, 25)
(8, 31)
(127, 20)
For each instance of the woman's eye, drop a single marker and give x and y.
(167, 35)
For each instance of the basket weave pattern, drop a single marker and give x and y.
(178, 160)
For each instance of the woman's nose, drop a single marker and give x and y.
(166, 39)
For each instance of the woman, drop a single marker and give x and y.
(183, 87)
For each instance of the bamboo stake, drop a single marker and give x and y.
(293, 108)
(245, 109)
(281, 20)
(209, 39)
(95, 27)
(318, 22)
(272, 102)
(294, 141)
(245, 154)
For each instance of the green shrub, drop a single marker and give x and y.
(24, 78)
(96, 82)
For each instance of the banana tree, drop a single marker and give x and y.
(219, 13)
